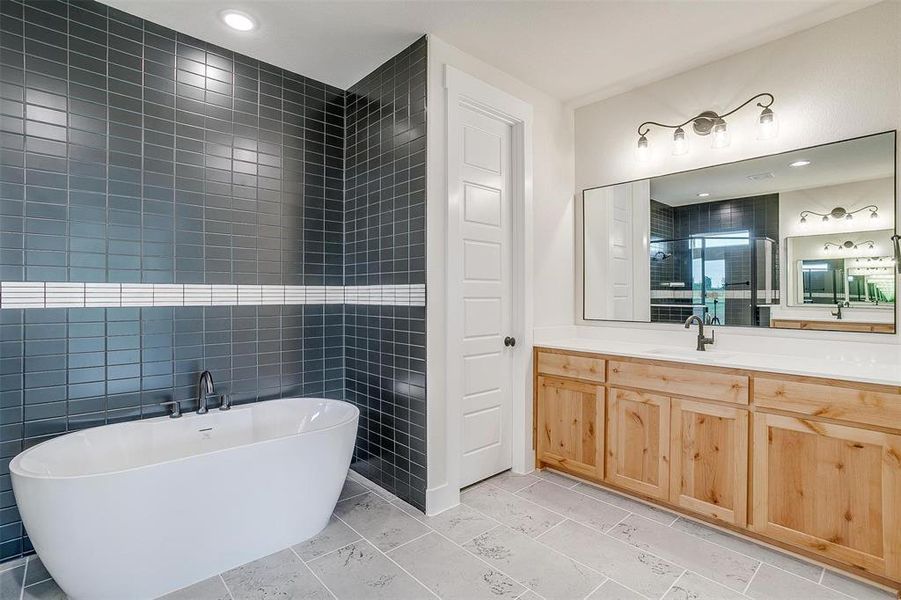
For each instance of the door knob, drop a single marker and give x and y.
(509, 341)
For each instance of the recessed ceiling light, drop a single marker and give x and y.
(237, 20)
(703, 195)
(800, 163)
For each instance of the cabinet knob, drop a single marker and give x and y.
(509, 341)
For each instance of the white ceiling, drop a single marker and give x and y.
(571, 50)
(843, 162)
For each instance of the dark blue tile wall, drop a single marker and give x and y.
(132, 153)
(385, 244)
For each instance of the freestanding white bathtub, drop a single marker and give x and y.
(139, 509)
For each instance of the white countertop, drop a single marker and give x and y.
(881, 368)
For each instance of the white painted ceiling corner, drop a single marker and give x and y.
(577, 52)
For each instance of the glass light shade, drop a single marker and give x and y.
(768, 126)
(720, 135)
(238, 20)
(643, 151)
(825, 218)
(849, 216)
(680, 144)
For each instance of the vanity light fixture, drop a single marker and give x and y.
(840, 213)
(709, 122)
(848, 245)
(238, 20)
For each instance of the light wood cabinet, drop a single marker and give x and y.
(681, 381)
(638, 442)
(578, 367)
(709, 459)
(570, 426)
(861, 404)
(810, 464)
(830, 489)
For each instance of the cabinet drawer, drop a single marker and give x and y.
(712, 385)
(861, 406)
(577, 367)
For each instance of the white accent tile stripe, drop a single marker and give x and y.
(19, 294)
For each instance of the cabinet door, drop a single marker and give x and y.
(571, 426)
(709, 459)
(830, 489)
(638, 442)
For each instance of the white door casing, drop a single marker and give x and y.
(488, 284)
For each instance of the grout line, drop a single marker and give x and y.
(419, 537)
(379, 550)
(313, 573)
(552, 527)
(315, 558)
(24, 575)
(227, 589)
(526, 588)
(555, 551)
(769, 564)
(612, 527)
(751, 580)
(597, 587)
(714, 582)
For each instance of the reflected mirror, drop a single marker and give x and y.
(798, 240)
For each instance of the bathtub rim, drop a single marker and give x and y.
(14, 468)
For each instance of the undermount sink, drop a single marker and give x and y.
(689, 354)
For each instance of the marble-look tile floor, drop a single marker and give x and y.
(523, 537)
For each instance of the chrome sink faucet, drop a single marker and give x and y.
(204, 389)
(702, 341)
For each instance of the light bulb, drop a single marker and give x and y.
(720, 134)
(643, 151)
(680, 144)
(237, 20)
(768, 126)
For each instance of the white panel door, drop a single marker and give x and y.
(620, 255)
(487, 282)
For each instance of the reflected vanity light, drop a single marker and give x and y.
(709, 122)
(840, 213)
(799, 163)
(849, 245)
(703, 195)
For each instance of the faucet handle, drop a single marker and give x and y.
(225, 402)
(176, 408)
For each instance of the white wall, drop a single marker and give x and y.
(554, 279)
(835, 81)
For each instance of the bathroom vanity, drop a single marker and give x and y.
(808, 463)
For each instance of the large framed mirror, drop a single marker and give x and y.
(796, 240)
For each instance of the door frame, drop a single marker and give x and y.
(463, 90)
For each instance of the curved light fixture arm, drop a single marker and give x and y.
(645, 127)
(839, 212)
